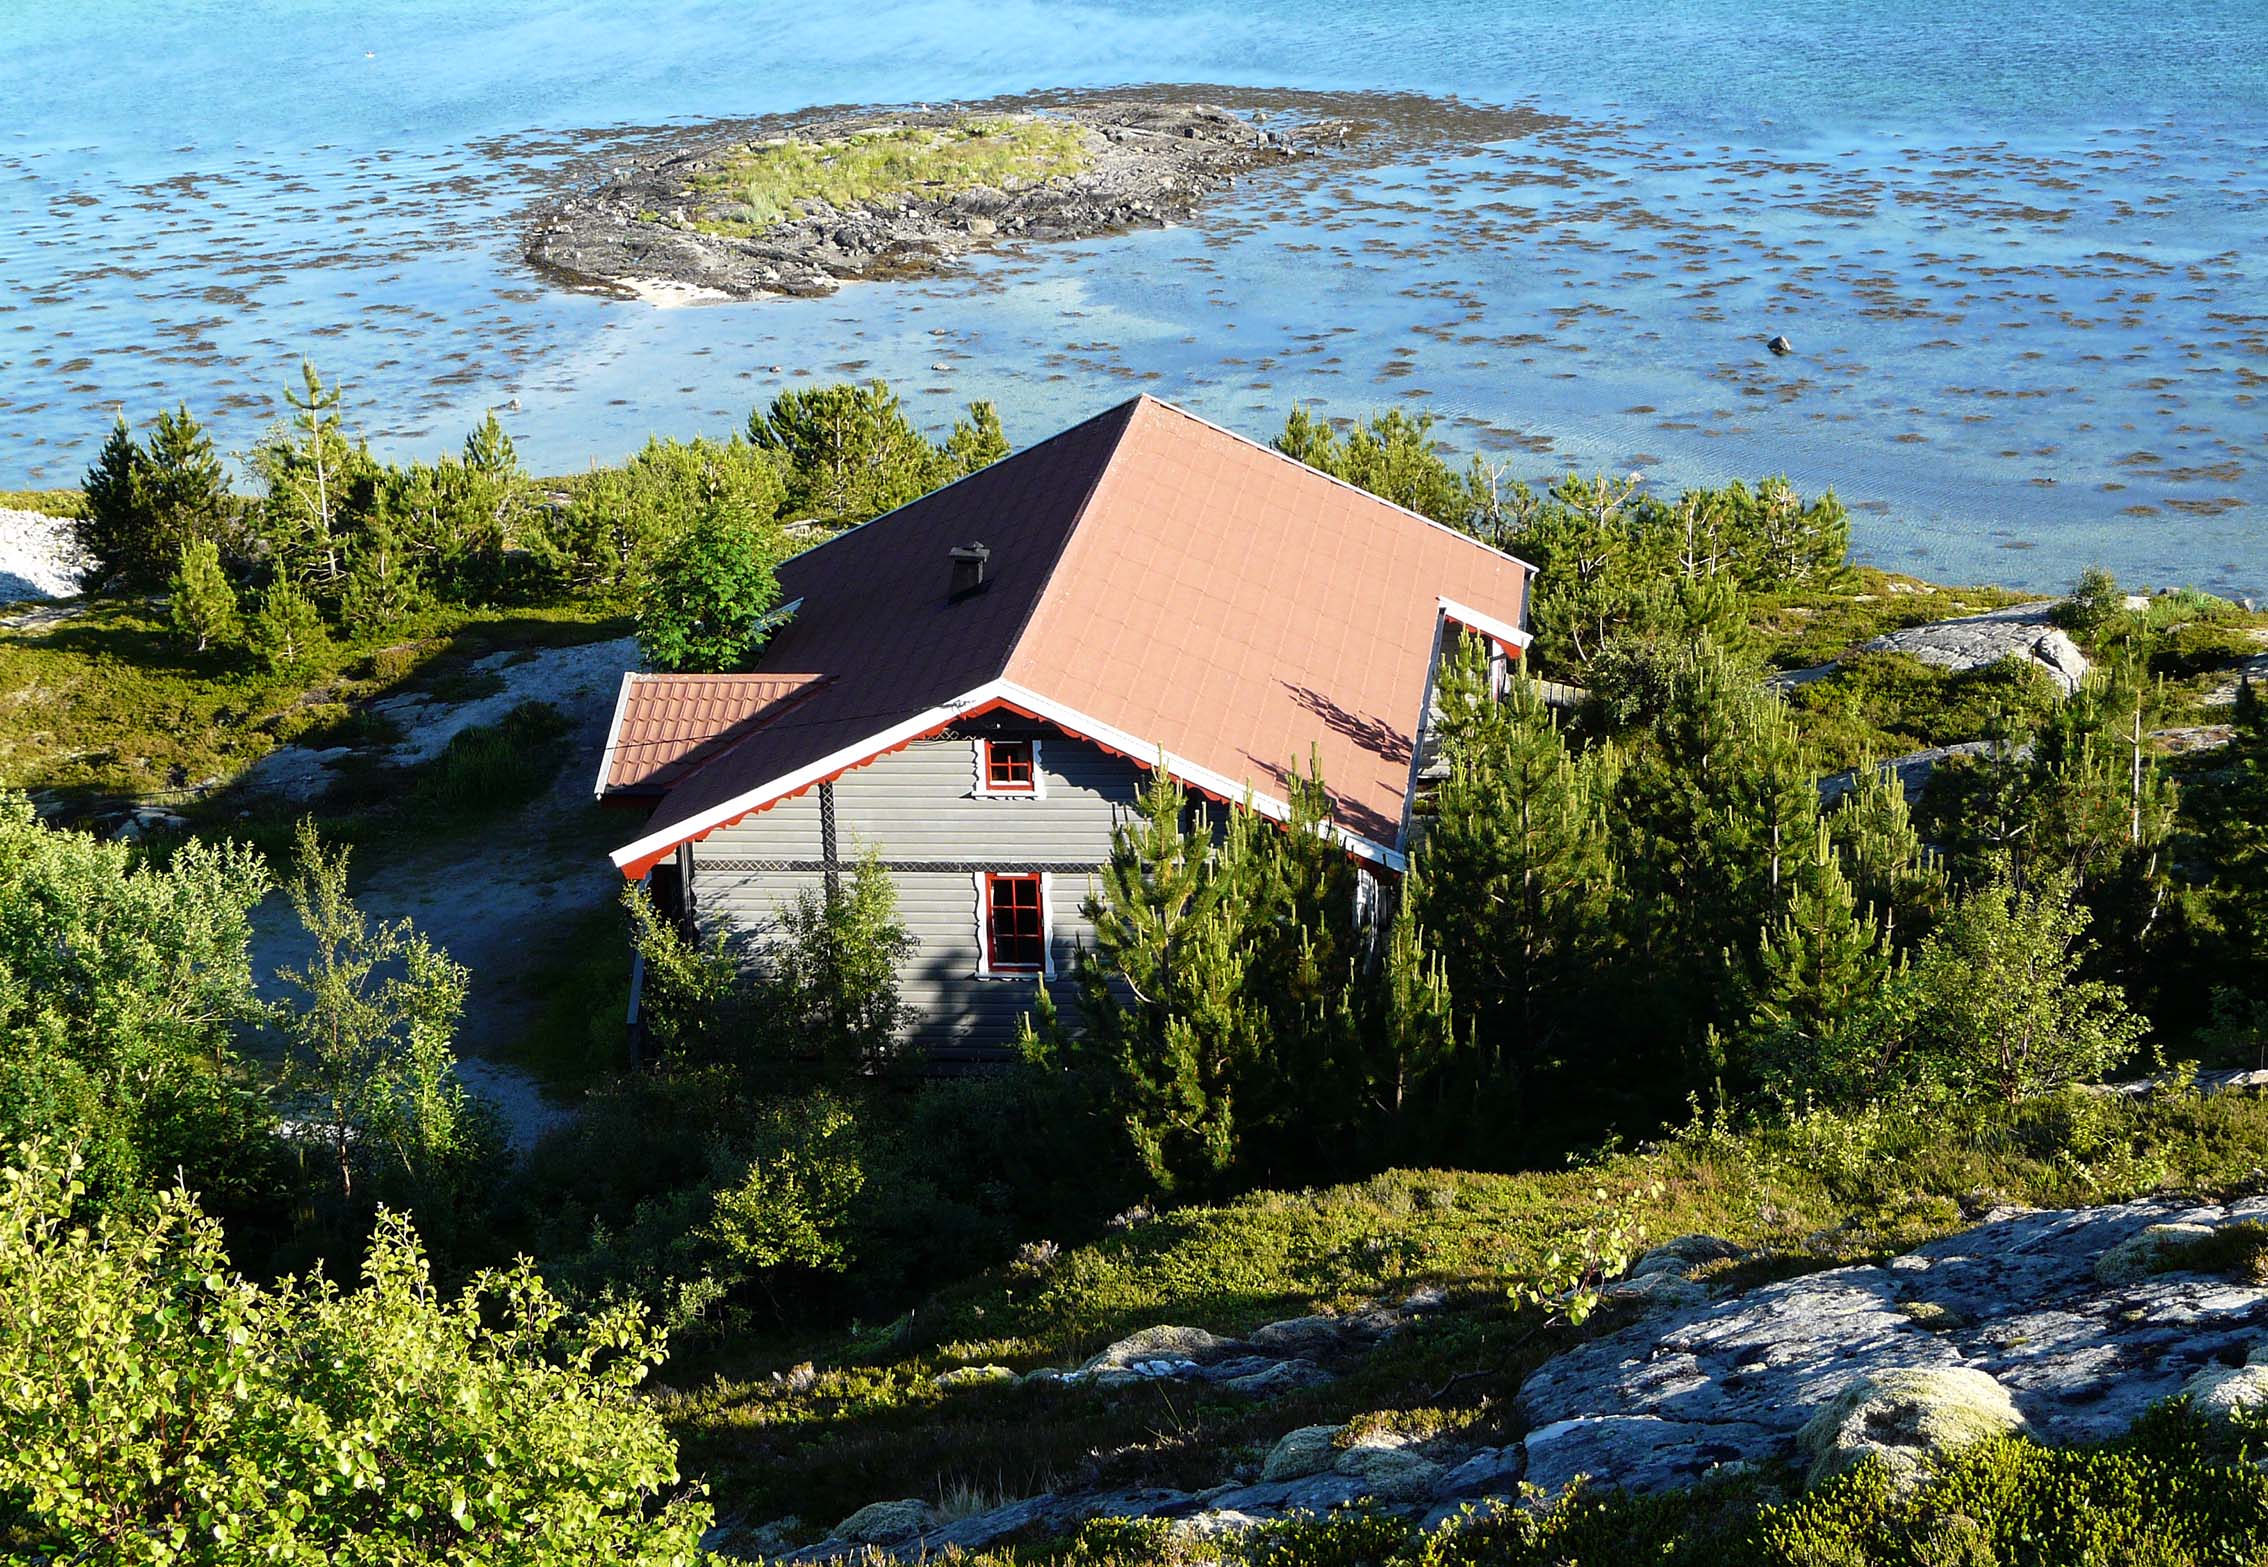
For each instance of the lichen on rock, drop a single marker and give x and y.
(1904, 1418)
(886, 1523)
(2219, 1393)
(1308, 1450)
(2157, 1249)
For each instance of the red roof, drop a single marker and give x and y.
(667, 725)
(1155, 584)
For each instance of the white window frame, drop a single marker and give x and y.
(984, 968)
(982, 788)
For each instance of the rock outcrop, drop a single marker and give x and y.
(2066, 1324)
(2021, 631)
(1145, 163)
(2016, 1300)
(1905, 1418)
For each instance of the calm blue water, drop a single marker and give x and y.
(2018, 247)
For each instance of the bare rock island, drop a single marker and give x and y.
(799, 207)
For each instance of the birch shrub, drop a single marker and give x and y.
(159, 1408)
(121, 981)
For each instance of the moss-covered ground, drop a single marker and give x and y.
(770, 182)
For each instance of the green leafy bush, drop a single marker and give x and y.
(703, 606)
(162, 1409)
(2095, 603)
(121, 984)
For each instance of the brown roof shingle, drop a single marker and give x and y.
(1167, 579)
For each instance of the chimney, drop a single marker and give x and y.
(968, 569)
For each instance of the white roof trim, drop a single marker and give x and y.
(802, 778)
(1489, 625)
(1131, 745)
(1188, 772)
(613, 735)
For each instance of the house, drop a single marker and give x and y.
(974, 685)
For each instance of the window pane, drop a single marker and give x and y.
(1016, 924)
(1008, 764)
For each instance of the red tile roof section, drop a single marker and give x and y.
(669, 725)
(1152, 572)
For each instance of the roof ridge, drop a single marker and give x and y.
(1131, 407)
(926, 495)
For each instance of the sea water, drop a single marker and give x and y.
(2017, 247)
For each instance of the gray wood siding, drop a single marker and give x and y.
(917, 809)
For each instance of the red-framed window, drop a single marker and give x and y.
(1008, 767)
(1015, 924)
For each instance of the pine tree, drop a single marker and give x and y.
(1514, 862)
(978, 440)
(1714, 813)
(850, 450)
(1890, 869)
(1291, 888)
(286, 632)
(489, 450)
(319, 484)
(1162, 994)
(1416, 1025)
(1822, 957)
(203, 610)
(381, 589)
(185, 490)
(1393, 456)
(114, 510)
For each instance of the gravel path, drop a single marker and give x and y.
(38, 559)
(497, 902)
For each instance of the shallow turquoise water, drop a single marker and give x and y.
(2017, 247)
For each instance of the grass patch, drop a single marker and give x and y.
(764, 185)
(1800, 630)
(2238, 1250)
(1880, 705)
(109, 703)
(493, 768)
(578, 1033)
(49, 503)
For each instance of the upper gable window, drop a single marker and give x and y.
(1009, 767)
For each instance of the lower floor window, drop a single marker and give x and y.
(1015, 924)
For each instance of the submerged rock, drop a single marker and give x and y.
(1780, 345)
